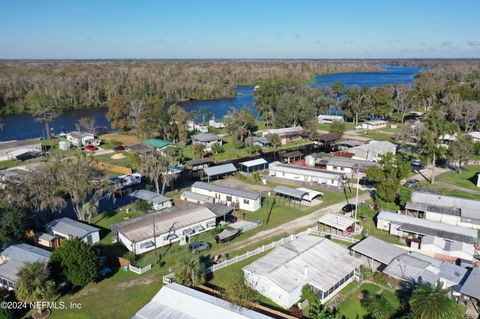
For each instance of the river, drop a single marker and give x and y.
(22, 126)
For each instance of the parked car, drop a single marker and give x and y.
(411, 183)
(119, 148)
(91, 148)
(417, 165)
(199, 246)
(348, 208)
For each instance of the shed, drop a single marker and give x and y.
(337, 224)
(219, 171)
(258, 164)
(157, 201)
(292, 157)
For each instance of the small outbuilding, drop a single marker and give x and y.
(337, 224)
(219, 171)
(291, 196)
(258, 164)
(65, 228)
(157, 201)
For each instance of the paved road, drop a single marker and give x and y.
(294, 225)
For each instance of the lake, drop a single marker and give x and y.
(23, 126)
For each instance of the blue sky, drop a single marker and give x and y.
(239, 29)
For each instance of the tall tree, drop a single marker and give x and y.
(43, 108)
(154, 166)
(14, 224)
(87, 124)
(240, 124)
(119, 112)
(136, 109)
(433, 302)
(356, 102)
(461, 150)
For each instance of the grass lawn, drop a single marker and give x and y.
(326, 127)
(130, 159)
(370, 229)
(466, 178)
(447, 191)
(351, 307)
(378, 135)
(9, 164)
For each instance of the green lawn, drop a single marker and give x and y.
(370, 229)
(9, 164)
(130, 159)
(326, 127)
(351, 307)
(447, 191)
(466, 178)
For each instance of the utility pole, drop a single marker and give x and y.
(356, 196)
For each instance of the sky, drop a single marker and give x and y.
(239, 29)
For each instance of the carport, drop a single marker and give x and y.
(291, 195)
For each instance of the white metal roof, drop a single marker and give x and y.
(70, 227)
(311, 193)
(377, 249)
(284, 190)
(212, 187)
(305, 171)
(220, 169)
(175, 301)
(306, 260)
(447, 245)
(255, 162)
(337, 221)
(472, 284)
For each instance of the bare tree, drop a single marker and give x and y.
(87, 124)
(135, 109)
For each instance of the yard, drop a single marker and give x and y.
(466, 178)
(369, 227)
(129, 160)
(447, 191)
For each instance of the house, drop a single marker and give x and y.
(286, 134)
(469, 288)
(305, 174)
(80, 139)
(200, 164)
(413, 228)
(175, 301)
(372, 125)
(329, 119)
(18, 149)
(373, 150)
(215, 124)
(192, 126)
(157, 201)
(14, 258)
(413, 267)
(327, 141)
(206, 139)
(142, 234)
(219, 171)
(260, 141)
(344, 165)
(446, 250)
(157, 143)
(246, 200)
(475, 136)
(65, 228)
(307, 260)
(337, 224)
(346, 144)
(445, 209)
(375, 253)
(255, 165)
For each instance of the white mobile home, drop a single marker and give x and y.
(344, 165)
(305, 174)
(307, 260)
(373, 150)
(329, 119)
(67, 228)
(13, 149)
(247, 200)
(80, 139)
(372, 125)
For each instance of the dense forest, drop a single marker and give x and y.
(84, 84)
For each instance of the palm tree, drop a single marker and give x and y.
(378, 307)
(33, 283)
(433, 302)
(275, 142)
(198, 149)
(188, 272)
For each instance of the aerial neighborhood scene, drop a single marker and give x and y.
(240, 159)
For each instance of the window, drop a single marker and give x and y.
(147, 244)
(229, 198)
(198, 228)
(170, 237)
(246, 201)
(211, 223)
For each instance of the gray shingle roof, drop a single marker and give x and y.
(206, 137)
(226, 190)
(149, 196)
(70, 227)
(220, 169)
(377, 249)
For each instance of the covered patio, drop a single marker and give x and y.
(258, 164)
(292, 157)
(337, 224)
(291, 196)
(219, 171)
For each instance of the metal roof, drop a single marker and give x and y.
(175, 301)
(306, 171)
(447, 245)
(149, 196)
(70, 227)
(10, 269)
(206, 137)
(311, 193)
(22, 143)
(284, 131)
(469, 208)
(25, 253)
(292, 192)
(141, 228)
(260, 139)
(311, 260)
(350, 143)
(158, 143)
(423, 230)
(375, 147)
(472, 284)
(292, 154)
(212, 187)
(337, 221)
(377, 249)
(255, 162)
(219, 209)
(435, 227)
(197, 197)
(346, 162)
(220, 169)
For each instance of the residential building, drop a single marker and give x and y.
(159, 144)
(446, 250)
(175, 301)
(158, 229)
(346, 144)
(286, 134)
(156, 201)
(375, 253)
(329, 119)
(65, 228)
(206, 139)
(409, 227)
(306, 174)
(219, 171)
(260, 141)
(372, 125)
(344, 165)
(196, 198)
(80, 139)
(246, 200)
(17, 149)
(251, 166)
(475, 136)
(192, 126)
(215, 124)
(14, 258)
(445, 209)
(307, 260)
(373, 150)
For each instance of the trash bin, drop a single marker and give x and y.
(125, 268)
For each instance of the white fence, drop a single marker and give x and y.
(350, 239)
(139, 270)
